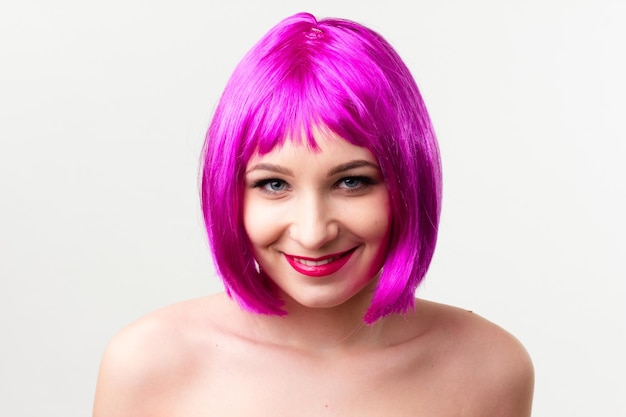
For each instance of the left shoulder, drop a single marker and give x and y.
(491, 366)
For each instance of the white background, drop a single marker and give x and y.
(103, 108)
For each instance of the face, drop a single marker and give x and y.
(318, 220)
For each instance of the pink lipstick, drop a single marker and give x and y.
(319, 267)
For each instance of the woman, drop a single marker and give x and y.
(321, 191)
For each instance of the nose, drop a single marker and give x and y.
(313, 222)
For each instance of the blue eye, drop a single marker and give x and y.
(355, 183)
(351, 182)
(271, 185)
(274, 185)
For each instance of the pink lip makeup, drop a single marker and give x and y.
(319, 267)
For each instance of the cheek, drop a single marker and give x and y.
(252, 222)
(379, 234)
(381, 226)
(371, 220)
(260, 222)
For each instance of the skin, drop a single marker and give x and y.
(309, 204)
(208, 357)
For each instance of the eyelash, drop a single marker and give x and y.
(267, 181)
(363, 182)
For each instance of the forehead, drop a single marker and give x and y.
(329, 149)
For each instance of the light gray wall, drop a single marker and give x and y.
(102, 112)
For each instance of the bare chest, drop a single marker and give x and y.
(288, 385)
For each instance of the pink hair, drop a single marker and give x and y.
(341, 75)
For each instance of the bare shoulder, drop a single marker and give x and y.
(146, 360)
(483, 361)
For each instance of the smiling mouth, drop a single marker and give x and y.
(308, 262)
(319, 267)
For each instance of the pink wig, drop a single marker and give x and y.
(343, 76)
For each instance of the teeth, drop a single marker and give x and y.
(316, 263)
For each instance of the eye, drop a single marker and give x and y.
(274, 185)
(271, 185)
(351, 182)
(355, 183)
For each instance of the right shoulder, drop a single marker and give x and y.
(150, 359)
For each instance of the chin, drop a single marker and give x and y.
(329, 298)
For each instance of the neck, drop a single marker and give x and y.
(321, 330)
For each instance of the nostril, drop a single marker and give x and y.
(313, 234)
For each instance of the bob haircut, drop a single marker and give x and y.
(333, 74)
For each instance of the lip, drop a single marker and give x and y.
(319, 267)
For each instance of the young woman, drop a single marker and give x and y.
(321, 192)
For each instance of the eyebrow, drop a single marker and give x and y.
(271, 167)
(357, 163)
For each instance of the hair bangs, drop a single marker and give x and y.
(307, 97)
